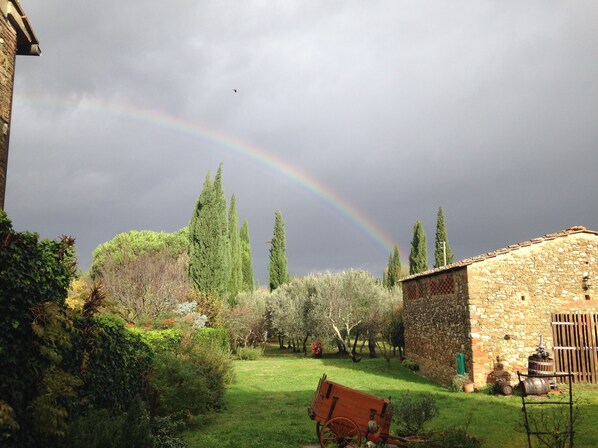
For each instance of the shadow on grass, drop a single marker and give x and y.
(268, 406)
(279, 419)
(376, 366)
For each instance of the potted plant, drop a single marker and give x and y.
(462, 382)
(469, 387)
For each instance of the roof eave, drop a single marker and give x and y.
(27, 41)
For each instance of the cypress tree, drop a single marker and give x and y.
(442, 237)
(246, 263)
(278, 258)
(197, 237)
(385, 275)
(209, 253)
(236, 275)
(392, 273)
(418, 258)
(223, 247)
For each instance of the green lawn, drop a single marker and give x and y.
(267, 404)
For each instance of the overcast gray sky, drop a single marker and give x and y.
(354, 118)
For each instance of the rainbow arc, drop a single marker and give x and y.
(229, 143)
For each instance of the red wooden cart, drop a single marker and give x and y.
(345, 416)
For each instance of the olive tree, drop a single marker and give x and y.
(247, 320)
(346, 307)
(297, 312)
(355, 306)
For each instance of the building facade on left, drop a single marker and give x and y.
(16, 38)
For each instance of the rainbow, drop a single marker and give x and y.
(228, 142)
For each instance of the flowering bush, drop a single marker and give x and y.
(316, 348)
(190, 315)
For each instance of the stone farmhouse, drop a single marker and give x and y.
(494, 308)
(16, 38)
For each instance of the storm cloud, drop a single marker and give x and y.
(485, 108)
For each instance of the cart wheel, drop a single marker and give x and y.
(340, 432)
(318, 429)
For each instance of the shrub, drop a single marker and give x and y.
(452, 438)
(213, 339)
(98, 429)
(410, 364)
(167, 433)
(550, 423)
(184, 387)
(188, 378)
(209, 304)
(102, 429)
(190, 315)
(412, 412)
(249, 353)
(160, 340)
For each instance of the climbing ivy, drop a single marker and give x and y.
(34, 277)
(110, 360)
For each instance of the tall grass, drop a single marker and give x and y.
(267, 406)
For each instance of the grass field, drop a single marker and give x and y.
(267, 404)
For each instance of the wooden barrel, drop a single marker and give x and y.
(542, 367)
(504, 388)
(535, 386)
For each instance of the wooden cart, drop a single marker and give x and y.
(345, 416)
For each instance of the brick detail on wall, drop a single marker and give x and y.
(411, 291)
(442, 285)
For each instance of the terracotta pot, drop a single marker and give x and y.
(469, 387)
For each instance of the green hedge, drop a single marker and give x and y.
(160, 340)
(190, 371)
(211, 339)
(111, 361)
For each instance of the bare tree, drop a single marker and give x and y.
(146, 285)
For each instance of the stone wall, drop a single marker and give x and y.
(8, 49)
(512, 296)
(437, 322)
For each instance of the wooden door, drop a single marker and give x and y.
(575, 339)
